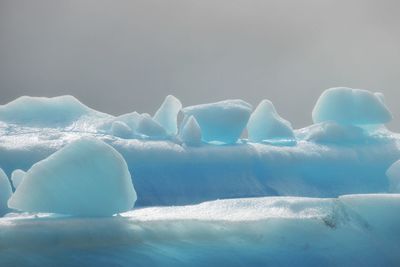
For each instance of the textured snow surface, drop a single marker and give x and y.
(355, 230)
(351, 106)
(87, 178)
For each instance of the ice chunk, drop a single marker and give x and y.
(351, 106)
(150, 127)
(120, 129)
(222, 121)
(131, 120)
(167, 114)
(393, 173)
(43, 111)
(16, 177)
(191, 132)
(266, 124)
(87, 178)
(5, 192)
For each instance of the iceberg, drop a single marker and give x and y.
(16, 177)
(222, 121)
(86, 178)
(191, 132)
(351, 107)
(266, 124)
(5, 192)
(167, 114)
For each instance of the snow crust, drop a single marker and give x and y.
(86, 178)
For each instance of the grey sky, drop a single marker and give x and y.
(120, 56)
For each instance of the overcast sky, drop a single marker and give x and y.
(120, 56)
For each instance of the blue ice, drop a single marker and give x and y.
(266, 124)
(222, 121)
(87, 178)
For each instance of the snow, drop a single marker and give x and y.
(167, 114)
(87, 178)
(121, 129)
(222, 121)
(266, 124)
(149, 127)
(393, 174)
(5, 192)
(191, 132)
(355, 230)
(351, 107)
(16, 177)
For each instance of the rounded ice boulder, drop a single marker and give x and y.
(222, 121)
(5, 192)
(85, 178)
(349, 106)
(266, 124)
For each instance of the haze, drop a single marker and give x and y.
(120, 56)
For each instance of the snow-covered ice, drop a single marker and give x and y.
(355, 230)
(86, 177)
(222, 121)
(266, 124)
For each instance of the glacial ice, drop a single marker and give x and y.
(354, 230)
(87, 178)
(222, 121)
(351, 107)
(121, 129)
(45, 112)
(261, 204)
(150, 128)
(393, 174)
(167, 114)
(266, 124)
(16, 177)
(5, 192)
(191, 132)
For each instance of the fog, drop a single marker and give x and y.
(120, 56)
